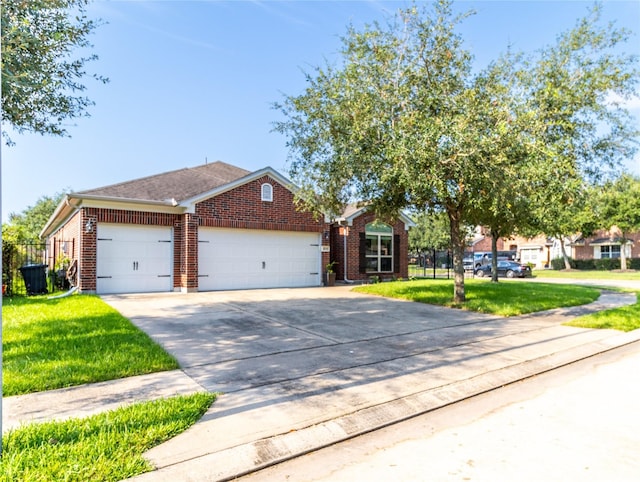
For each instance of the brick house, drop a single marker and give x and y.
(363, 246)
(211, 227)
(606, 244)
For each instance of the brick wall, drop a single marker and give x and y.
(87, 261)
(242, 208)
(70, 233)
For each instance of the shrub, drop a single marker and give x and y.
(558, 263)
(606, 264)
(584, 264)
(633, 263)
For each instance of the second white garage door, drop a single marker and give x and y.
(243, 258)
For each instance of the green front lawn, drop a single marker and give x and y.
(62, 342)
(503, 298)
(57, 343)
(104, 447)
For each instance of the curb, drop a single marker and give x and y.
(244, 459)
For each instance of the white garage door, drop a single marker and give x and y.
(133, 259)
(244, 258)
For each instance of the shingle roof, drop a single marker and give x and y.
(179, 185)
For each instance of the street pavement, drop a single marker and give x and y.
(578, 423)
(302, 369)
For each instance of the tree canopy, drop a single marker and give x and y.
(25, 227)
(619, 205)
(405, 122)
(430, 232)
(42, 79)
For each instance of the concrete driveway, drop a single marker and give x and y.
(233, 340)
(300, 369)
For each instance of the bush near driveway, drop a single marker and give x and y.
(56, 343)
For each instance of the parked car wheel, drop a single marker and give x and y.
(480, 273)
(510, 274)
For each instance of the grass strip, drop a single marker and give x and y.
(49, 344)
(625, 318)
(588, 274)
(505, 298)
(104, 447)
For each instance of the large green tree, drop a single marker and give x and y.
(404, 121)
(42, 77)
(585, 136)
(25, 227)
(389, 127)
(619, 205)
(507, 148)
(430, 232)
(569, 84)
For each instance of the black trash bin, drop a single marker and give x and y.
(35, 278)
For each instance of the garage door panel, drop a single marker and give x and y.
(134, 259)
(240, 259)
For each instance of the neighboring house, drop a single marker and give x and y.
(211, 227)
(363, 246)
(606, 244)
(540, 250)
(537, 251)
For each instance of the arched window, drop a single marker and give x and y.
(379, 248)
(267, 192)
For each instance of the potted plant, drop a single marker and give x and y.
(330, 274)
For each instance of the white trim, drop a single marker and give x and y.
(408, 222)
(73, 202)
(628, 242)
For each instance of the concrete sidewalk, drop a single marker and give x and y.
(330, 385)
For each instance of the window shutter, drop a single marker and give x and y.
(362, 251)
(396, 253)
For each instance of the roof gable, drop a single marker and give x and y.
(252, 176)
(352, 211)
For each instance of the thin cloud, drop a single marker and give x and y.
(632, 103)
(109, 10)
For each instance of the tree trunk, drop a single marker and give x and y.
(623, 255)
(494, 256)
(457, 248)
(567, 264)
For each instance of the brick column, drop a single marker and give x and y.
(190, 253)
(87, 270)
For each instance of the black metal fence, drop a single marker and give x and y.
(21, 255)
(432, 264)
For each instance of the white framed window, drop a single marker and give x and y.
(379, 248)
(266, 192)
(610, 252)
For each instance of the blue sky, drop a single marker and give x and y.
(194, 81)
